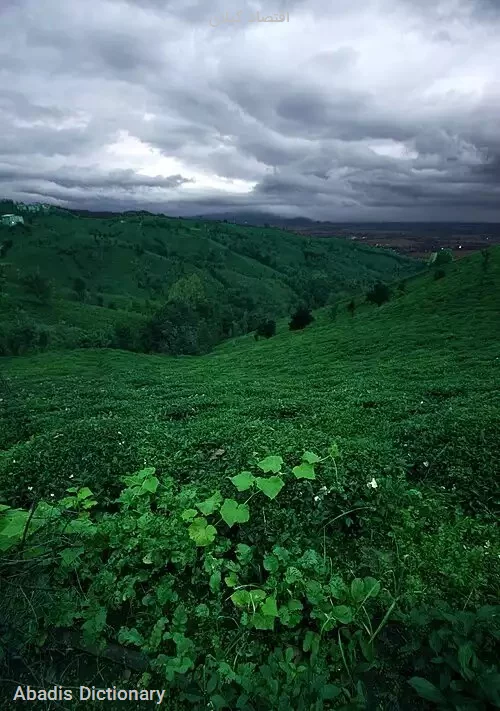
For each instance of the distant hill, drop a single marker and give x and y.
(115, 270)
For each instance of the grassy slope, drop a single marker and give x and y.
(267, 264)
(409, 389)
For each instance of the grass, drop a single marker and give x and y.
(407, 391)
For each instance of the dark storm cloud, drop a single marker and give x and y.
(380, 109)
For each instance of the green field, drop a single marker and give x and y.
(375, 571)
(130, 264)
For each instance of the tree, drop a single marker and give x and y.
(379, 294)
(80, 287)
(444, 256)
(439, 274)
(351, 307)
(266, 329)
(300, 319)
(38, 286)
(176, 328)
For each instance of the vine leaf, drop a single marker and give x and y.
(310, 458)
(269, 607)
(271, 464)
(232, 512)
(243, 481)
(304, 471)
(201, 532)
(271, 487)
(210, 505)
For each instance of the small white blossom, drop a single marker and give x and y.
(316, 498)
(323, 488)
(426, 464)
(52, 495)
(30, 488)
(71, 476)
(373, 484)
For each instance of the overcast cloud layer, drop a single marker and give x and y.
(350, 110)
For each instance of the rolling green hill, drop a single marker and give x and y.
(127, 266)
(378, 561)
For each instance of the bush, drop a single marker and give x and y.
(379, 294)
(439, 274)
(444, 256)
(79, 287)
(37, 285)
(300, 319)
(351, 307)
(266, 329)
(177, 329)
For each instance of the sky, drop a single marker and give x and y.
(345, 110)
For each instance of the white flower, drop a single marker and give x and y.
(421, 402)
(71, 476)
(30, 488)
(316, 498)
(52, 495)
(373, 484)
(426, 464)
(323, 488)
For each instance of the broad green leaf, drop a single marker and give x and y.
(189, 514)
(271, 464)
(130, 636)
(304, 471)
(342, 613)
(232, 512)
(357, 590)
(150, 484)
(147, 472)
(243, 481)
(241, 598)
(201, 533)
(271, 563)
(231, 580)
(426, 690)
(210, 505)
(244, 553)
(270, 487)
(330, 691)
(85, 493)
(269, 607)
(310, 458)
(69, 555)
(372, 587)
(4, 507)
(262, 622)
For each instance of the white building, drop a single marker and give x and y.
(11, 220)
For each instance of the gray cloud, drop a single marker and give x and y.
(380, 109)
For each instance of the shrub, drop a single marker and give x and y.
(444, 256)
(351, 307)
(79, 287)
(439, 274)
(37, 285)
(300, 319)
(266, 329)
(379, 294)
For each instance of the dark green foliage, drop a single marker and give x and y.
(351, 307)
(266, 329)
(300, 319)
(486, 255)
(5, 246)
(37, 285)
(379, 294)
(439, 274)
(444, 256)
(79, 287)
(177, 329)
(247, 273)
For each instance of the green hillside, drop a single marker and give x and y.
(369, 581)
(128, 265)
